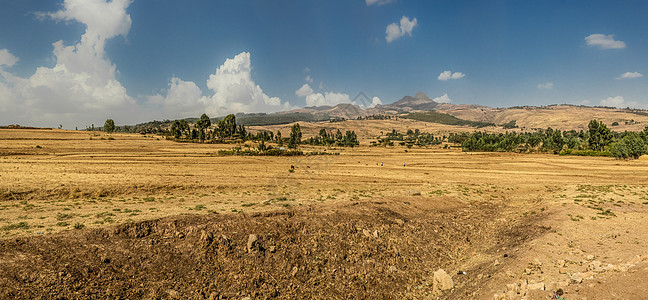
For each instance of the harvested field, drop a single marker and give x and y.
(87, 215)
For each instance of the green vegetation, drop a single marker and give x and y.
(440, 118)
(109, 126)
(597, 141)
(349, 139)
(409, 139)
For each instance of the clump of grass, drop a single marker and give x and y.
(607, 213)
(20, 225)
(62, 224)
(198, 207)
(62, 216)
(248, 204)
(79, 225)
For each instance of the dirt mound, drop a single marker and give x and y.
(373, 249)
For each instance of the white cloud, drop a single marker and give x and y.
(233, 91)
(375, 101)
(6, 58)
(304, 90)
(604, 41)
(545, 86)
(447, 75)
(618, 101)
(309, 79)
(329, 98)
(379, 2)
(395, 31)
(628, 75)
(183, 99)
(81, 88)
(442, 99)
(319, 99)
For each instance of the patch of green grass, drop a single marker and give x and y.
(62, 224)
(79, 225)
(20, 225)
(608, 213)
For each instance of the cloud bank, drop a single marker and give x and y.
(81, 88)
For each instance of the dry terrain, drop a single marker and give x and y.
(90, 215)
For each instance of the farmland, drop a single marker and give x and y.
(76, 206)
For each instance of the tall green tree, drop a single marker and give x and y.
(600, 135)
(226, 127)
(203, 123)
(109, 126)
(295, 136)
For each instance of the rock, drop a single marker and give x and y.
(173, 294)
(413, 193)
(576, 278)
(252, 243)
(497, 263)
(366, 232)
(590, 257)
(561, 263)
(399, 221)
(294, 271)
(512, 287)
(393, 269)
(562, 270)
(537, 262)
(441, 282)
(375, 233)
(272, 249)
(536, 286)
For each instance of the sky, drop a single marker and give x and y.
(78, 62)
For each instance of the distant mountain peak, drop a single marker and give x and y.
(422, 96)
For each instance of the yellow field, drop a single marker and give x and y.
(56, 180)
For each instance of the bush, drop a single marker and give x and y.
(629, 146)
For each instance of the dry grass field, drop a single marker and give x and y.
(90, 215)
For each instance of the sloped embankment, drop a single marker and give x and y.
(374, 249)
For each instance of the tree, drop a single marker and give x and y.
(295, 136)
(599, 135)
(176, 129)
(203, 123)
(227, 126)
(279, 138)
(631, 145)
(109, 126)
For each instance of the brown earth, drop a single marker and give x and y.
(140, 217)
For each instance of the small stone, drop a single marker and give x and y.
(590, 257)
(576, 278)
(562, 270)
(497, 263)
(366, 232)
(537, 262)
(252, 243)
(595, 266)
(294, 271)
(536, 286)
(441, 282)
(561, 263)
(393, 269)
(399, 221)
(375, 233)
(272, 249)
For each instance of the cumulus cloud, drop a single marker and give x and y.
(545, 86)
(319, 99)
(603, 41)
(395, 31)
(81, 87)
(233, 91)
(628, 75)
(183, 99)
(379, 2)
(618, 101)
(304, 91)
(375, 101)
(447, 75)
(6, 58)
(442, 99)
(328, 98)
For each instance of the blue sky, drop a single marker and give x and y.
(78, 62)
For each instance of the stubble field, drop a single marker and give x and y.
(89, 215)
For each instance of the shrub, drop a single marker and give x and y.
(629, 146)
